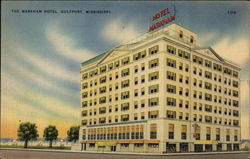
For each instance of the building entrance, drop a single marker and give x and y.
(219, 147)
(198, 147)
(184, 147)
(208, 148)
(170, 147)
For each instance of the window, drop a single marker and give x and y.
(171, 88)
(136, 92)
(153, 131)
(208, 135)
(124, 106)
(125, 61)
(208, 97)
(171, 114)
(181, 34)
(208, 64)
(227, 134)
(142, 115)
(183, 54)
(143, 66)
(85, 85)
(125, 95)
(186, 68)
(191, 39)
(208, 108)
(125, 72)
(235, 74)
(184, 132)
(153, 63)
(102, 120)
(153, 102)
(171, 75)
(102, 89)
(171, 63)
(103, 69)
(142, 91)
(136, 80)
(85, 95)
(102, 100)
(171, 49)
(125, 84)
(136, 69)
(110, 66)
(171, 101)
(85, 76)
(153, 89)
(139, 55)
(217, 67)
(171, 131)
(235, 93)
(102, 110)
(153, 50)
(117, 64)
(85, 104)
(217, 134)
(180, 66)
(153, 76)
(208, 86)
(84, 113)
(125, 117)
(208, 119)
(153, 114)
(235, 84)
(142, 78)
(197, 60)
(103, 79)
(208, 75)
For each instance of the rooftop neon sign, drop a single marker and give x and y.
(163, 22)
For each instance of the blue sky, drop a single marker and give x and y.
(41, 52)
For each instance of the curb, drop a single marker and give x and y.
(129, 153)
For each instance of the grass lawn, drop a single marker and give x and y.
(37, 147)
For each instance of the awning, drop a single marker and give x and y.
(123, 141)
(205, 142)
(89, 141)
(106, 143)
(152, 141)
(136, 141)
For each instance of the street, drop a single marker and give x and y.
(22, 154)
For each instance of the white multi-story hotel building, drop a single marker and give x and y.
(160, 93)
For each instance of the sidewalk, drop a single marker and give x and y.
(128, 153)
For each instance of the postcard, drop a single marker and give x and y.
(136, 77)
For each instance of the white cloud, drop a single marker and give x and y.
(237, 51)
(16, 92)
(206, 38)
(50, 67)
(119, 31)
(65, 46)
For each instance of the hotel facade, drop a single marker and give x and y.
(160, 93)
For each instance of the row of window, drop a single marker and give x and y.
(201, 61)
(137, 132)
(124, 61)
(153, 63)
(155, 114)
(227, 81)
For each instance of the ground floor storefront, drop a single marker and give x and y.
(157, 146)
